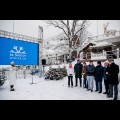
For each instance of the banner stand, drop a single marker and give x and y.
(32, 81)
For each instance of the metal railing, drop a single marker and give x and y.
(18, 36)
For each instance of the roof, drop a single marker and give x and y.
(91, 42)
(102, 44)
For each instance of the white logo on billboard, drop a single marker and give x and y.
(18, 53)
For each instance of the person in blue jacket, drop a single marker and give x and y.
(99, 71)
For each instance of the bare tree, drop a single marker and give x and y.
(70, 29)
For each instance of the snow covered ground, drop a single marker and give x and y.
(47, 90)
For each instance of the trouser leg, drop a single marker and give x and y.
(116, 92)
(76, 82)
(91, 83)
(68, 80)
(80, 82)
(71, 80)
(100, 86)
(111, 90)
(96, 82)
(88, 81)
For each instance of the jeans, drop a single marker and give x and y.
(99, 86)
(115, 87)
(70, 79)
(90, 81)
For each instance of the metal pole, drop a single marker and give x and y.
(13, 26)
(97, 28)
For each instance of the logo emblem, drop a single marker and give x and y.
(18, 53)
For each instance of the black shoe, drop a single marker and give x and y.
(99, 92)
(109, 96)
(91, 90)
(68, 85)
(75, 85)
(115, 99)
(12, 90)
(105, 93)
(96, 90)
(88, 89)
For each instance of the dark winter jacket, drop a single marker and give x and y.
(106, 76)
(78, 70)
(90, 70)
(113, 74)
(99, 71)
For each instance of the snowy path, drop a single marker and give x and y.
(47, 90)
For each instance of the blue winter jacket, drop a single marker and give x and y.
(90, 70)
(99, 72)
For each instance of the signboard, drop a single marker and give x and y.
(97, 56)
(20, 52)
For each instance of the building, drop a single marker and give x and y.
(101, 48)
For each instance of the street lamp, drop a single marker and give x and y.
(56, 59)
(13, 26)
(97, 27)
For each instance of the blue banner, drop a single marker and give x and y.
(20, 52)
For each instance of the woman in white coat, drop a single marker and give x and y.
(70, 73)
(12, 76)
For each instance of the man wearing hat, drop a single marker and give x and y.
(12, 76)
(78, 72)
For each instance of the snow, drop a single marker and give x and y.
(48, 89)
(100, 44)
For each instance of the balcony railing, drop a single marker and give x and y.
(114, 54)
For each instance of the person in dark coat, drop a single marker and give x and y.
(78, 72)
(99, 70)
(113, 79)
(106, 77)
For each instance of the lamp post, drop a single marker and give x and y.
(97, 28)
(56, 59)
(13, 26)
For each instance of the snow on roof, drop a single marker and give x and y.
(88, 44)
(102, 44)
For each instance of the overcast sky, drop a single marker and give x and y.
(30, 27)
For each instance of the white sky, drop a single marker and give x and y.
(30, 27)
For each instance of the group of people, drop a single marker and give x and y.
(109, 73)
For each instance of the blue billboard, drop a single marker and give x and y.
(20, 52)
